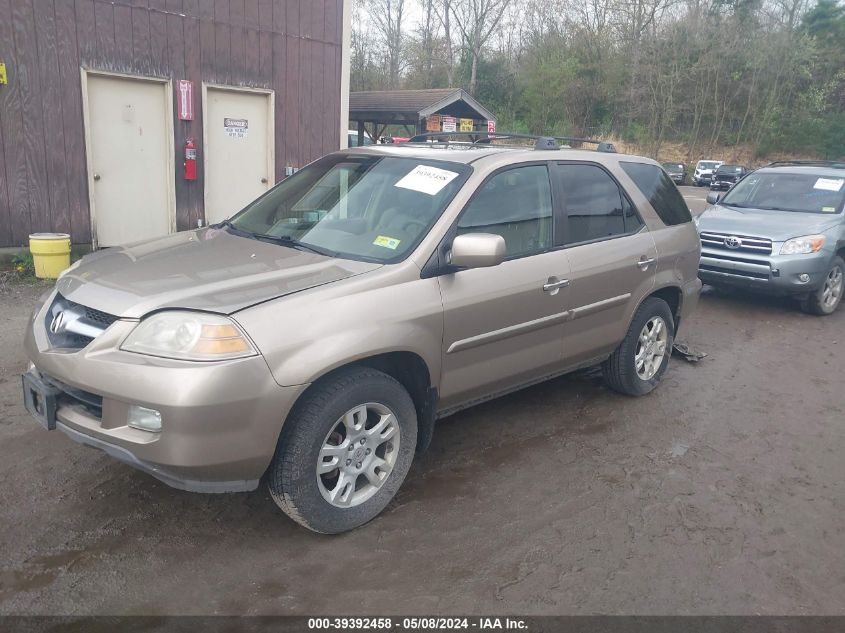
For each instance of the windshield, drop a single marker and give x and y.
(708, 164)
(370, 208)
(804, 193)
(673, 167)
(729, 169)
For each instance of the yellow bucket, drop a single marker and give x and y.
(50, 253)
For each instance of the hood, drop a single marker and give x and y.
(778, 226)
(206, 269)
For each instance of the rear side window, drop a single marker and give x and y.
(660, 191)
(595, 206)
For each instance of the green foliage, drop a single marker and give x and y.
(23, 263)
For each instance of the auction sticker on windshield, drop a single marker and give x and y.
(830, 184)
(427, 179)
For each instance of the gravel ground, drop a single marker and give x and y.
(720, 493)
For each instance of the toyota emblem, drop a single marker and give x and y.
(732, 241)
(57, 325)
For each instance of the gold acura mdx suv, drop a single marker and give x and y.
(313, 339)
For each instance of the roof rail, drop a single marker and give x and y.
(542, 142)
(835, 164)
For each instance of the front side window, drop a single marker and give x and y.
(779, 191)
(516, 204)
(595, 206)
(372, 208)
(660, 191)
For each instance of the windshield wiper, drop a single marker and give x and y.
(287, 240)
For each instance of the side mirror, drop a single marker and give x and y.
(713, 197)
(477, 250)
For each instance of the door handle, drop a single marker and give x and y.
(645, 262)
(553, 286)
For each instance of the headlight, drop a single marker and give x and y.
(188, 336)
(802, 245)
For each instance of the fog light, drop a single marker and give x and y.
(144, 418)
(803, 278)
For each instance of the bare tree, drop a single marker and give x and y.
(387, 17)
(477, 21)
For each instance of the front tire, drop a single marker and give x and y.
(638, 364)
(344, 451)
(826, 299)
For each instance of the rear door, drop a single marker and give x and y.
(503, 325)
(612, 259)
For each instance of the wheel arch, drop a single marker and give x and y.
(672, 295)
(406, 367)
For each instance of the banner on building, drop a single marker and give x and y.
(491, 127)
(467, 125)
(450, 124)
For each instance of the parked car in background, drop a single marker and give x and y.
(726, 176)
(677, 172)
(312, 339)
(353, 138)
(781, 231)
(704, 170)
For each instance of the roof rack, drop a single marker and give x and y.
(541, 142)
(834, 164)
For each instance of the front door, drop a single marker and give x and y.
(131, 175)
(612, 255)
(501, 328)
(238, 150)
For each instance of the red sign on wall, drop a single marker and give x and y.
(491, 127)
(185, 100)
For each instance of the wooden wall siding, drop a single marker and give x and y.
(290, 46)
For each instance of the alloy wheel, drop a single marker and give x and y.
(651, 348)
(832, 290)
(358, 455)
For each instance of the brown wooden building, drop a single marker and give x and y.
(102, 96)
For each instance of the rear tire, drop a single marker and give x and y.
(827, 298)
(640, 361)
(357, 427)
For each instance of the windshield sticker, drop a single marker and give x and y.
(828, 209)
(387, 242)
(426, 179)
(829, 184)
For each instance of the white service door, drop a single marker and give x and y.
(129, 150)
(238, 161)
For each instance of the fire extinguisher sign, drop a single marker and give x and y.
(185, 97)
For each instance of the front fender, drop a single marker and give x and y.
(304, 336)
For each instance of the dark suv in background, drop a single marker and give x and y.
(726, 176)
(677, 172)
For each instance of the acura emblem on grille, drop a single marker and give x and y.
(57, 325)
(732, 241)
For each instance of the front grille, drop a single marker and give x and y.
(747, 244)
(70, 325)
(98, 316)
(91, 402)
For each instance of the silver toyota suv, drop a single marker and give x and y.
(780, 231)
(313, 339)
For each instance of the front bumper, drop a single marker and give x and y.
(220, 421)
(703, 178)
(772, 274)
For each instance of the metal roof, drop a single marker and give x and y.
(409, 106)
